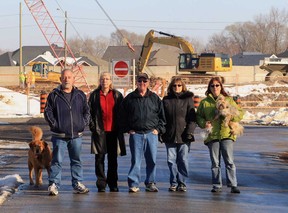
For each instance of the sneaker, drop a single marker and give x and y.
(53, 189)
(215, 190)
(134, 189)
(151, 187)
(80, 189)
(114, 189)
(101, 189)
(181, 188)
(234, 189)
(172, 188)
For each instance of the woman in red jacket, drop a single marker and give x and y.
(104, 104)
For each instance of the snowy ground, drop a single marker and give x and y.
(13, 105)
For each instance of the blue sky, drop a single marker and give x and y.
(194, 18)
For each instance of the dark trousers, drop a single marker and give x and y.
(112, 174)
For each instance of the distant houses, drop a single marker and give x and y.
(248, 58)
(43, 54)
(160, 56)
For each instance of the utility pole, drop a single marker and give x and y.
(20, 58)
(65, 37)
(20, 39)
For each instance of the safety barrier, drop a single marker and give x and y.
(43, 100)
(197, 100)
(237, 99)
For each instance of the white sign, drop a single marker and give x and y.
(121, 73)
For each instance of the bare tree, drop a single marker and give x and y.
(197, 44)
(76, 45)
(277, 28)
(239, 34)
(259, 36)
(222, 43)
(267, 34)
(120, 37)
(95, 47)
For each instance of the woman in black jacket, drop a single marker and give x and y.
(181, 122)
(104, 105)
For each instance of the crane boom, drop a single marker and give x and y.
(55, 39)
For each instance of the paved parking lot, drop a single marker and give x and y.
(262, 178)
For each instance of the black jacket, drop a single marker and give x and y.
(67, 119)
(180, 116)
(142, 113)
(98, 137)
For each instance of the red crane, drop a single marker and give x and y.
(55, 39)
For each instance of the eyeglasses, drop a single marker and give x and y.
(105, 79)
(177, 85)
(139, 81)
(214, 85)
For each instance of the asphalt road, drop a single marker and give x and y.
(262, 178)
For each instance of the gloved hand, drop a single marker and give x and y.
(160, 139)
(189, 138)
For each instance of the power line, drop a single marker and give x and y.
(159, 21)
(78, 34)
(134, 20)
(126, 40)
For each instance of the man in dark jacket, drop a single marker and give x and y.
(67, 114)
(104, 103)
(142, 116)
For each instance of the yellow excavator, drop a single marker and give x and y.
(42, 72)
(189, 61)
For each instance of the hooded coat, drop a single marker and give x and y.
(67, 119)
(180, 117)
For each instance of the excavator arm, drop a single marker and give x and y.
(170, 40)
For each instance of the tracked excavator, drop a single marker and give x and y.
(192, 67)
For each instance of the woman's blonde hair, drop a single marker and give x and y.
(101, 76)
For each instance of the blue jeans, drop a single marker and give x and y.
(142, 144)
(177, 160)
(74, 147)
(224, 148)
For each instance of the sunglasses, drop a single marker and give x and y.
(177, 85)
(139, 81)
(214, 85)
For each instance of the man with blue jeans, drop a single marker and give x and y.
(67, 114)
(142, 116)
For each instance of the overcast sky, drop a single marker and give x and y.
(195, 18)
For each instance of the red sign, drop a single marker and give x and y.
(121, 69)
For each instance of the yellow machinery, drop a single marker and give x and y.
(189, 61)
(42, 72)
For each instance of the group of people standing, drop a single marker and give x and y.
(147, 119)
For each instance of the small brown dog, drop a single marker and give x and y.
(228, 111)
(39, 156)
